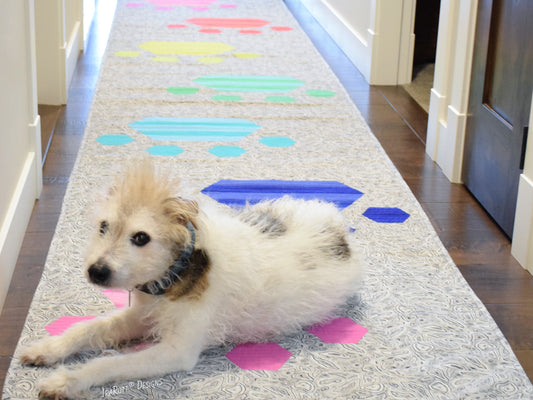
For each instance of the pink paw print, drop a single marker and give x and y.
(119, 298)
(340, 330)
(271, 356)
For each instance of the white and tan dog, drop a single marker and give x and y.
(200, 276)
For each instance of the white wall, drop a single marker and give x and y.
(20, 147)
(355, 14)
(60, 33)
(377, 35)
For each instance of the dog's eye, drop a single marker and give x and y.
(140, 239)
(104, 227)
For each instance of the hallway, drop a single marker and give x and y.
(480, 250)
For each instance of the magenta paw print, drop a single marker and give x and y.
(340, 330)
(118, 297)
(271, 356)
(62, 324)
(259, 356)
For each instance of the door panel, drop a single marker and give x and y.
(500, 98)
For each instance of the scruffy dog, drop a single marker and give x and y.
(200, 276)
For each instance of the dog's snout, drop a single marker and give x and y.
(99, 273)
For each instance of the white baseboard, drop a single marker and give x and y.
(451, 145)
(522, 246)
(14, 225)
(437, 107)
(445, 136)
(352, 44)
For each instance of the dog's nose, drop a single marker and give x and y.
(99, 273)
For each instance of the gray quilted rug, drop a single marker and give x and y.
(232, 96)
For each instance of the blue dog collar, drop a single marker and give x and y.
(160, 286)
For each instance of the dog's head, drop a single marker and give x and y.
(139, 229)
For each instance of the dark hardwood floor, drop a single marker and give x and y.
(480, 250)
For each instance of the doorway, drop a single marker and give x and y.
(426, 32)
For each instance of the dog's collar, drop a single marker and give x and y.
(159, 287)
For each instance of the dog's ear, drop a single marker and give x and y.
(181, 211)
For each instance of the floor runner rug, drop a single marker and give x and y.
(231, 96)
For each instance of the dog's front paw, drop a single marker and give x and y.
(61, 384)
(43, 352)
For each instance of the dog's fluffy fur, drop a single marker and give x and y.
(267, 270)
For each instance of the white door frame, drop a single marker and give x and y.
(448, 105)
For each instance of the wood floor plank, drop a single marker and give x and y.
(525, 357)
(4, 365)
(49, 115)
(500, 283)
(409, 110)
(368, 95)
(515, 322)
